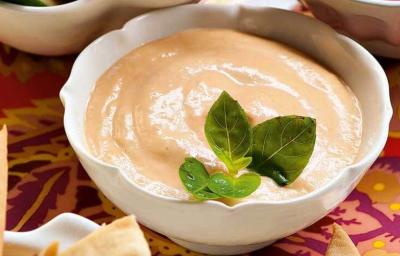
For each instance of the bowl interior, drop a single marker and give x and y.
(343, 56)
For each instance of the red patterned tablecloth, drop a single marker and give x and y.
(46, 179)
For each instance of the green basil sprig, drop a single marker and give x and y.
(279, 148)
(229, 135)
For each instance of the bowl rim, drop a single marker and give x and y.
(229, 9)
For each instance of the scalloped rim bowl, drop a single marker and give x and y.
(68, 28)
(213, 227)
(67, 228)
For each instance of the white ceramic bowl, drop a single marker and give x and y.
(211, 226)
(68, 28)
(374, 23)
(66, 228)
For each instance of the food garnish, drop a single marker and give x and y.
(279, 148)
(282, 147)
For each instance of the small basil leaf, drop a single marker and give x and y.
(228, 132)
(282, 147)
(205, 194)
(194, 175)
(231, 187)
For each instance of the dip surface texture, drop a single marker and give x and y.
(147, 112)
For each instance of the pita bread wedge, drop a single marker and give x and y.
(341, 243)
(51, 250)
(123, 237)
(3, 183)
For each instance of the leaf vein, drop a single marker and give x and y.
(237, 146)
(281, 148)
(227, 133)
(283, 131)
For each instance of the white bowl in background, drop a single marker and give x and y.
(68, 28)
(213, 227)
(374, 23)
(66, 228)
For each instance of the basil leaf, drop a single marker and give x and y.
(231, 187)
(228, 132)
(205, 194)
(195, 178)
(193, 174)
(282, 147)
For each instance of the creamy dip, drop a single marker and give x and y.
(147, 112)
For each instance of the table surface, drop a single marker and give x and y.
(46, 179)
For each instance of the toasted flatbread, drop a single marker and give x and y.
(51, 250)
(123, 237)
(341, 243)
(3, 183)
